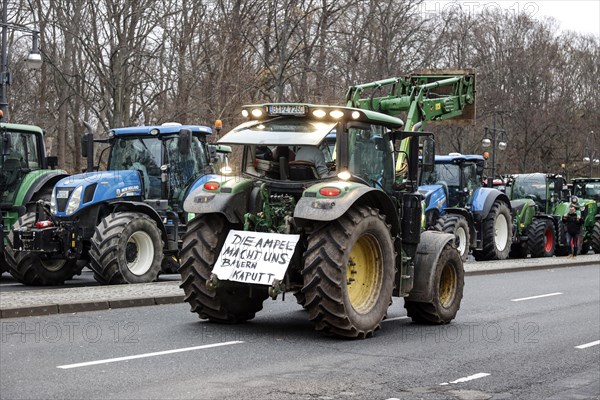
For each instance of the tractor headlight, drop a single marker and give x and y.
(53, 202)
(74, 201)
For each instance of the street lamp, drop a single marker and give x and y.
(34, 59)
(496, 139)
(590, 154)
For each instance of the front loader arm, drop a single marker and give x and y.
(417, 96)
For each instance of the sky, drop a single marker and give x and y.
(582, 16)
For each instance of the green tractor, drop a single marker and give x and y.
(588, 192)
(25, 175)
(342, 232)
(537, 208)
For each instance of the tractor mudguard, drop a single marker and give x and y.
(312, 208)
(49, 178)
(230, 199)
(144, 209)
(484, 199)
(428, 252)
(461, 211)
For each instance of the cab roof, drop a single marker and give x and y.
(165, 129)
(454, 158)
(21, 127)
(299, 123)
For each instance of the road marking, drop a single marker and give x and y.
(467, 378)
(158, 353)
(394, 319)
(590, 344)
(537, 297)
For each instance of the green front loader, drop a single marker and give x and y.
(26, 175)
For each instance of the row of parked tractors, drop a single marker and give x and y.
(526, 209)
(369, 215)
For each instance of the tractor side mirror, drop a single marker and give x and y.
(558, 186)
(212, 153)
(479, 169)
(184, 143)
(84, 144)
(52, 162)
(87, 146)
(428, 155)
(6, 144)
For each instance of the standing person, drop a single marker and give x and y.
(572, 220)
(575, 202)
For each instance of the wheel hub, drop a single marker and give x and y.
(363, 274)
(139, 253)
(448, 284)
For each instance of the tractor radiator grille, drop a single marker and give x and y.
(61, 203)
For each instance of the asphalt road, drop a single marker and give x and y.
(515, 337)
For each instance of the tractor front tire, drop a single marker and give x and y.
(231, 302)
(497, 234)
(127, 247)
(349, 274)
(596, 238)
(449, 283)
(458, 226)
(542, 238)
(33, 268)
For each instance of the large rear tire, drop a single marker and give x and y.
(349, 274)
(456, 225)
(497, 234)
(542, 238)
(34, 268)
(448, 291)
(230, 302)
(596, 238)
(127, 247)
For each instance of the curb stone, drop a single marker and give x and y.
(92, 298)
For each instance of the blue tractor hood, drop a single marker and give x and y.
(434, 196)
(94, 187)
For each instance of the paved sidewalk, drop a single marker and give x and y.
(78, 299)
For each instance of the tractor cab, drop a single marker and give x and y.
(304, 143)
(22, 151)
(546, 190)
(168, 158)
(587, 188)
(458, 175)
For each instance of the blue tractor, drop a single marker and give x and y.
(126, 223)
(456, 202)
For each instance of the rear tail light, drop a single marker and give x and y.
(211, 186)
(43, 224)
(330, 191)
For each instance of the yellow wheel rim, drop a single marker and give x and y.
(448, 283)
(364, 273)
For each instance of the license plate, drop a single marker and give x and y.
(62, 194)
(287, 110)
